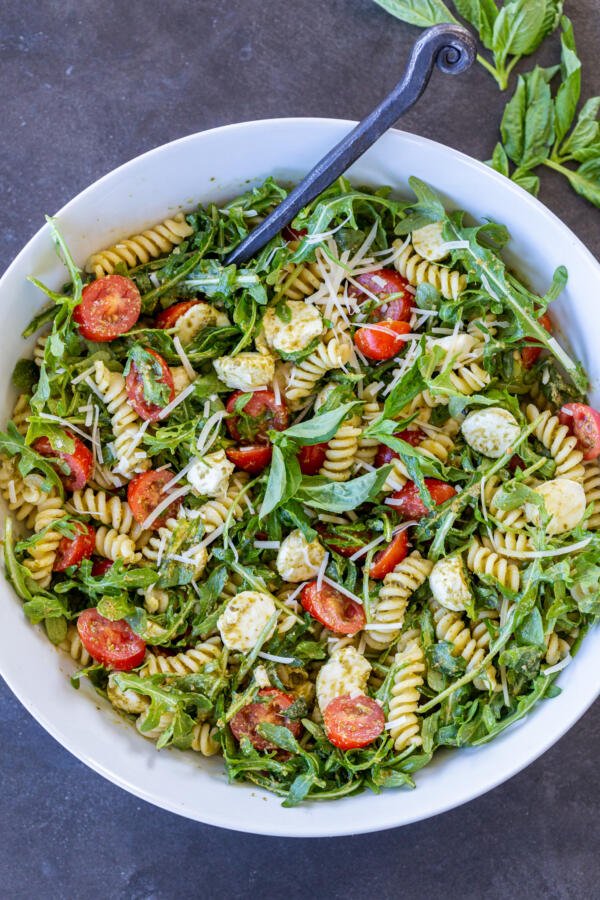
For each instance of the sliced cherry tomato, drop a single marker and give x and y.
(382, 340)
(387, 559)
(530, 355)
(385, 454)
(408, 501)
(109, 307)
(274, 703)
(71, 551)
(384, 283)
(353, 722)
(292, 234)
(515, 462)
(145, 492)
(101, 566)
(333, 609)
(80, 461)
(113, 644)
(251, 458)
(584, 423)
(311, 457)
(168, 318)
(344, 542)
(135, 389)
(259, 413)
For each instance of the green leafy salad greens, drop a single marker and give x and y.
(321, 515)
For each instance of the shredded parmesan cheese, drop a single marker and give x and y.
(184, 359)
(168, 409)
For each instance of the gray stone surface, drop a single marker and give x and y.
(86, 86)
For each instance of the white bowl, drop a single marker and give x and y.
(217, 165)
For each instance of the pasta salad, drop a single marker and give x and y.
(323, 514)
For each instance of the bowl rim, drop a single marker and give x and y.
(297, 828)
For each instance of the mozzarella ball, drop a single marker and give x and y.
(297, 559)
(199, 316)
(448, 583)
(244, 618)
(246, 371)
(429, 243)
(346, 672)
(210, 475)
(565, 504)
(491, 431)
(305, 324)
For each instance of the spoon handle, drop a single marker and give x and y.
(451, 47)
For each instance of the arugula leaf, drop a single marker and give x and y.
(13, 444)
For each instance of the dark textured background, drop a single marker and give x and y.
(86, 86)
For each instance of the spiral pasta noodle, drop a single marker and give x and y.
(304, 375)
(187, 663)
(367, 447)
(591, 487)
(483, 561)
(472, 643)
(43, 553)
(299, 280)
(73, 646)
(418, 270)
(508, 543)
(139, 249)
(560, 444)
(21, 413)
(156, 600)
(103, 479)
(39, 349)
(111, 544)
(402, 721)
(204, 739)
(513, 519)
(128, 701)
(159, 545)
(394, 594)
(556, 648)
(214, 512)
(341, 451)
(124, 420)
(110, 511)
(22, 495)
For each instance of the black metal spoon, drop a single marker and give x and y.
(451, 48)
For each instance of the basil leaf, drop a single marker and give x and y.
(319, 429)
(527, 123)
(276, 484)
(342, 496)
(580, 143)
(519, 28)
(481, 14)
(586, 179)
(419, 12)
(529, 182)
(567, 96)
(499, 160)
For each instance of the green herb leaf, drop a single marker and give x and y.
(342, 496)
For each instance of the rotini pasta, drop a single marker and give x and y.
(559, 443)
(43, 553)
(341, 451)
(394, 594)
(186, 663)
(402, 719)
(591, 486)
(125, 422)
(110, 511)
(485, 562)
(417, 270)
(305, 375)
(472, 643)
(140, 248)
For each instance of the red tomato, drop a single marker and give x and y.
(311, 458)
(530, 355)
(245, 722)
(251, 458)
(583, 422)
(387, 559)
(410, 504)
(515, 462)
(71, 551)
(145, 492)
(109, 307)
(353, 722)
(263, 411)
(292, 234)
(379, 341)
(101, 566)
(135, 389)
(167, 318)
(80, 461)
(113, 644)
(383, 283)
(332, 609)
(385, 454)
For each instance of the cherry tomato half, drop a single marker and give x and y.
(584, 423)
(245, 722)
(383, 283)
(292, 234)
(113, 644)
(260, 412)
(109, 307)
(332, 609)
(71, 551)
(145, 492)
(530, 355)
(101, 566)
(169, 317)
(382, 340)
(251, 457)
(408, 501)
(80, 461)
(387, 559)
(353, 722)
(311, 457)
(135, 389)
(385, 454)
